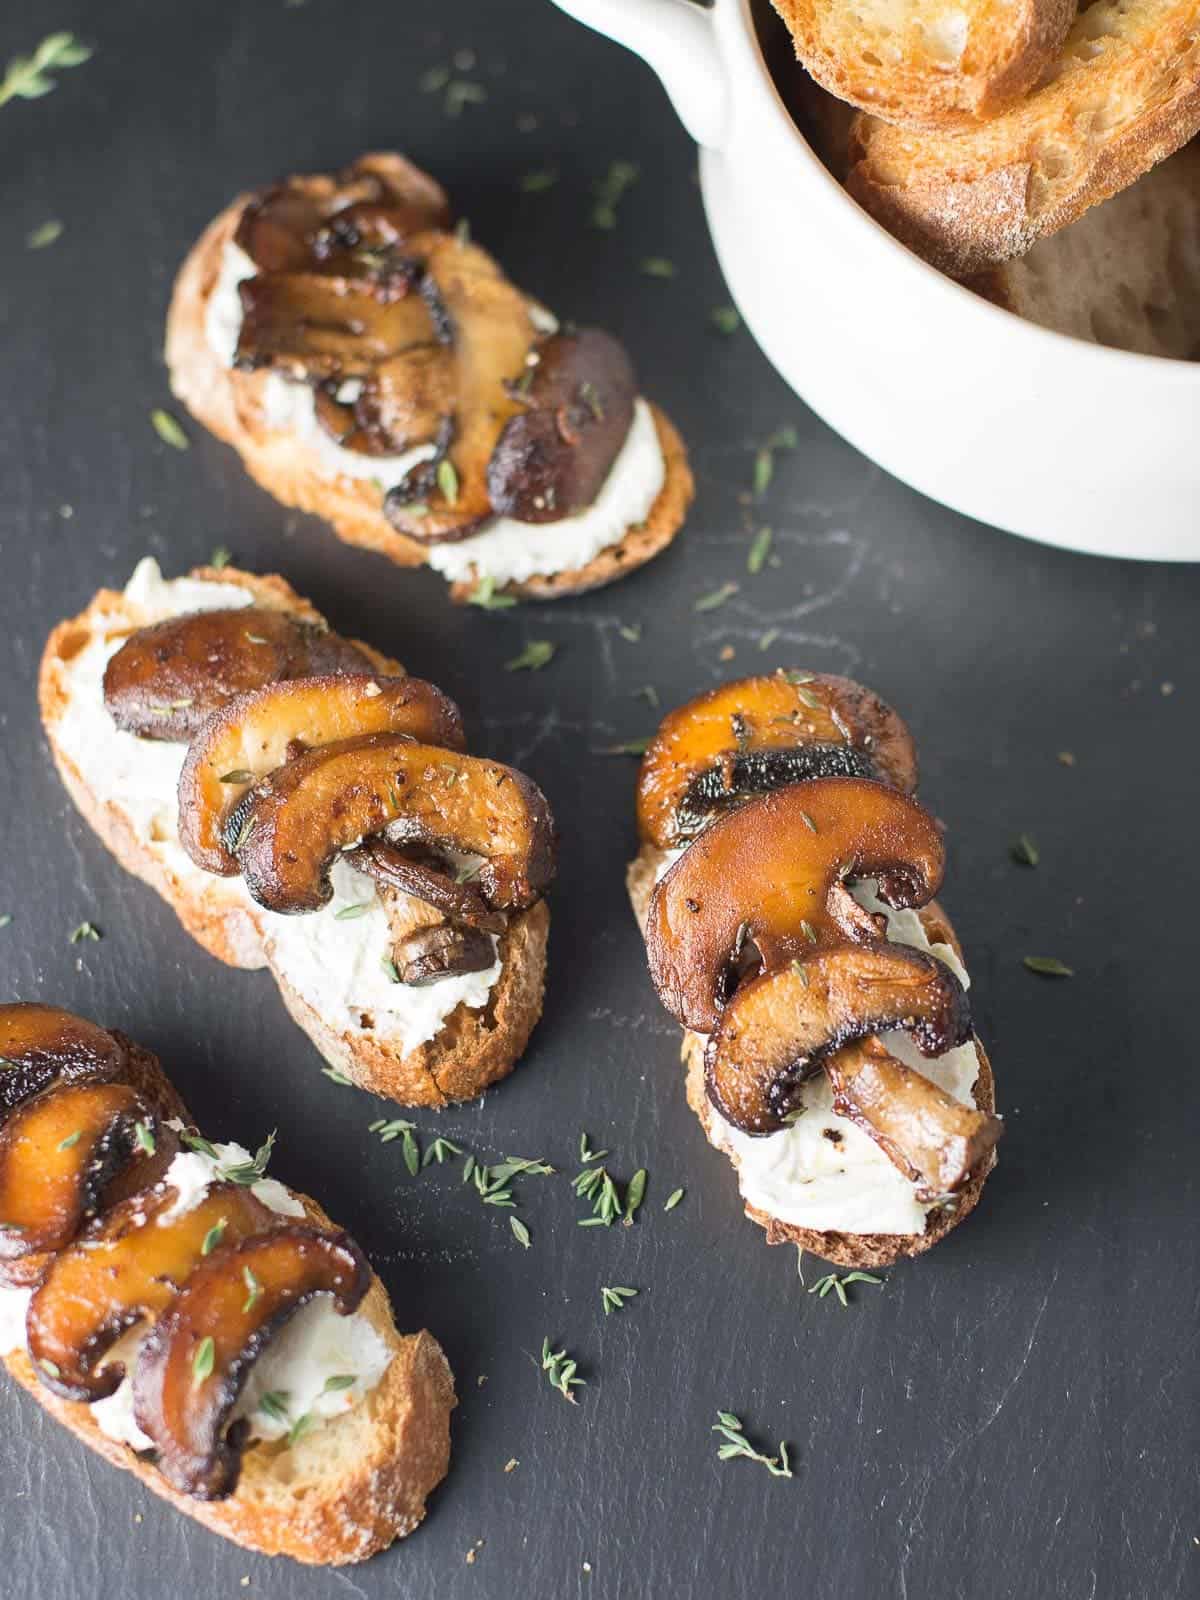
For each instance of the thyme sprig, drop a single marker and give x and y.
(831, 1283)
(614, 1299)
(736, 1444)
(398, 1128)
(561, 1370)
(28, 77)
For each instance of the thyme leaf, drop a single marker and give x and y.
(28, 77)
(536, 654)
(736, 1444)
(168, 429)
(1049, 967)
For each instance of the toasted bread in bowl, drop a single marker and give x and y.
(925, 65)
(1123, 95)
(419, 1047)
(294, 460)
(339, 1489)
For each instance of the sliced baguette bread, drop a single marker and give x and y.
(340, 1492)
(233, 406)
(475, 1045)
(1123, 95)
(843, 1249)
(1126, 275)
(925, 63)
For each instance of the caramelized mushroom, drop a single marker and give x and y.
(757, 734)
(196, 1358)
(166, 679)
(310, 325)
(422, 874)
(488, 325)
(255, 733)
(64, 1149)
(41, 1045)
(771, 875)
(401, 403)
(289, 827)
(445, 951)
(934, 1140)
(779, 1028)
(552, 459)
(127, 1266)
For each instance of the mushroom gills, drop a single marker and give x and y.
(255, 733)
(125, 1268)
(168, 678)
(756, 734)
(780, 1028)
(552, 459)
(932, 1138)
(289, 827)
(66, 1151)
(195, 1360)
(41, 1046)
(772, 873)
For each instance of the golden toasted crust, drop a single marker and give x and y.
(346, 1490)
(230, 405)
(842, 1249)
(471, 1051)
(902, 79)
(1123, 95)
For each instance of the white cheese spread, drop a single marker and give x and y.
(336, 966)
(319, 1365)
(505, 550)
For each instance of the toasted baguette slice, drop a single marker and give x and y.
(1124, 95)
(842, 1249)
(927, 64)
(231, 405)
(342, 1492)
(1127, 274)
(473, 1048)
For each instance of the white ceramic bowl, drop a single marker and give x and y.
(1040, 434)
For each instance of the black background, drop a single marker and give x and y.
(1016, 1413)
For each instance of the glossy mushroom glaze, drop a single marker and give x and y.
(783, 790)
(214, 1276)
(412, 338)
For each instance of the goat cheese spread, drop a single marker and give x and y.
(505, 550)
(335, 966)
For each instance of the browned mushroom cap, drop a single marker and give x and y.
(780, 1028)
(421, 873)
(934, 1140)
(445, 951)
(127, 1266)
(257, 732)
(757, 734)
(289, 827)
(401, 403)
(166, 679)
(381, 198)
(311, 325)
(197, 1357)
(488, 327)
(41, 1045)
(771, 875)
(553, 458)
(64, 1150)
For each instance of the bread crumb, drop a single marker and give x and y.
(1167, 688)
(587, 1566)
(511, 1463)
(137, 1516)
(244, 1582)
(474, 1551)
(481, 1380)
(727, 654)
(1067, 757)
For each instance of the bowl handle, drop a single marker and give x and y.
(677, 39)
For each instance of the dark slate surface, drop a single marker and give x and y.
(1015, 1414)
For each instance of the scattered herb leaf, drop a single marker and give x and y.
(337, 1077)
(717, 597)
(350, 913)
(756, 558)
(610, 190)
(28, 77)
(238, 775)
(649, 694)
(560, 1371)
(831, 1282)
(274, 1404)
(634, 1194)
(539, 182)
(85, 930)
(45, 234)
(440, 1151)
(144, 1134)
(1024, 852)
(520, 1231)
(673, 1199)
(725, 319)
(659, 267)
(768, 638)
(338, 1382)
(253, 1291)
(614, 1299)
(1049, 967)
(168, 429)
(71, 1140)
(247, 1173)
(485, 594)
(221, 557)
(736, 1444)
(630, 747)
(631, 632)
(202, 1361)
(536, 654)
(212, 1238)
(447, 480)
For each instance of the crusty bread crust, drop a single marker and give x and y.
(1006, 49)
(472, 1050)
(230, 405)
(286, 1501)
(848, 1250)
(1124, 94)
